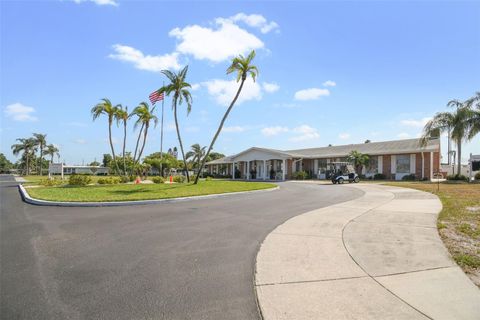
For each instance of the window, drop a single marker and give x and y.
(403, 163)
(372, 165)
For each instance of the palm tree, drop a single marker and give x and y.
(28, 147)
(196, 153)
(145, 116)
(121, 115)
(455, 122)
(179, 88)
(473, 104)
(51, 150)
(41, 141)
(359, 160)
(105, 107)
(243, 67)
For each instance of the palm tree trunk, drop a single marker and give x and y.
(459, 152)
(111, 144)
(220, 128)
(124, 143)
(143, 144)
(138, 141)
(180, 139)
(28, 167)
(41, 158)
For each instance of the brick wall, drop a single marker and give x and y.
(418, 165)
(387, 166)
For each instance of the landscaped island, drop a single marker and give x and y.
(130, 192)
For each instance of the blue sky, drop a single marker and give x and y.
(330, 72)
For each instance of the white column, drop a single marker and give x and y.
(61, 169)
(315, 167)
(423, 165)
(248, 170)
(393, 164)
(380, 164)
(233, 170)
(284, 168)
(413, 163)
(264, 169)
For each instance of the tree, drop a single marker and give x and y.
(107, 159)
(367, 141)
(455, 122)
(214, 156)
(51, 150)
(144, 116)
(165, 162)
(94, 164)
(473, 122)
(243, 68)
(121, 115)
(105, 107)
(5, 164)
(359, 160)
(178, 87)
(41, 141)
(28, 148)
(196, 153)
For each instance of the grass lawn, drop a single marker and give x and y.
(127, 192)
(459, 221)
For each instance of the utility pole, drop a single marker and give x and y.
(161, 135)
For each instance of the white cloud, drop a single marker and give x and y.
(145, 62)
(273, 131)
(20, 112)
(192, 129)
(329, 83)
(311, 94)
(270, 87)
(403, 135)
(80, 141)
(234, 129)
(344, 136)
(255, 21)
(99, 2)
(170, 126)
(224, 91)
(415, 123)
(305, 132)
(195, 86)
(221, 42)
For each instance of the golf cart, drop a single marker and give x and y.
(341, 172)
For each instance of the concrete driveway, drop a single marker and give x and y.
(186, 260)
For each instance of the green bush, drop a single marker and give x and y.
(179, 179)
(50, 182)
(477, 176)
(300, 175)
(109, 180)
(158, 180)
(457, 177)
(124, 179)
(208, 178)
(379, 176)
(79, 180)
(102, 181)
(410, 177)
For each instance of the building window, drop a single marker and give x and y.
(372, 165)
(403, 163)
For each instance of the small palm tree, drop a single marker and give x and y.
(178, 87)
(243, 68)
(145, 117)
(51, 150)
(358, 159)
(473, 104)
(41, 141)
(121, 115)
(28, 147)
(196, 153)
(105, 107)
(455, 122)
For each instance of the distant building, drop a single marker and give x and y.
(394, 159)
(62, 169)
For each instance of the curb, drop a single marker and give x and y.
(28, 199)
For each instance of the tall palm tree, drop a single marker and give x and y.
(145, 117)
(51, 150)
(121, 115)
(243, 68)
(473, 104)
(105, 107)
(196, 153)
(28, 147)
(179, 89)
(456, 121)
(41, 141)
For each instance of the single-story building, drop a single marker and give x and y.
(62, 169)
(394, 159)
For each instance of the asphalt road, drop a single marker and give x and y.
(185, 260)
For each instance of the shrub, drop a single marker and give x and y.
(300, 175)
(457, 177)
(79, 180)
(102, 181)
(132, 178)
(477, 176)
(158, 180)
(410, 177)
(124, 179)
(208, 178)
(179, 179)
(50, 182)
(379, 176)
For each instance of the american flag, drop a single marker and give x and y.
(156, 96)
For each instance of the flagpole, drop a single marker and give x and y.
(161, 136)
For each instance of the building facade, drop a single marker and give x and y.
(393, 159)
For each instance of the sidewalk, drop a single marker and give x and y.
(376, 257)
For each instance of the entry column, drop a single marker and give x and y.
(264, 169)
